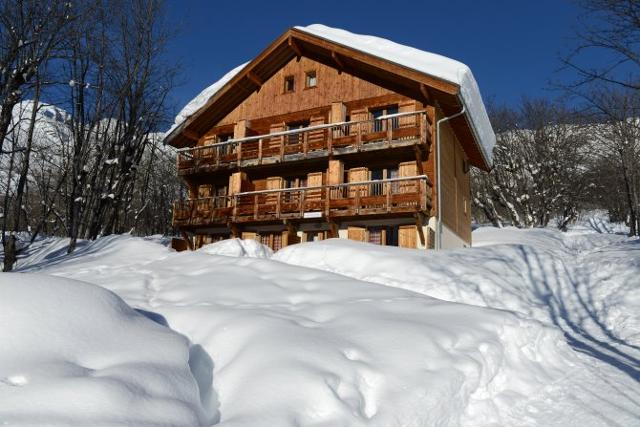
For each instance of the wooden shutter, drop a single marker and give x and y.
(249, 235)
(336, 172)
(356, 116)
(235, 182)
(358, 175)
(274, 182)
(407, 236)
(408, 169)
(273, 144)
(357, 233)
(204, 191)
(405, 107)
(314, 180)
(316, 138)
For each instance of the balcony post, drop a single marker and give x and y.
(327, 198)
(260, 150)
(387, 190)
(255, 207)
(278, 201)
(305, 143)
(281, 138)
(234, 204)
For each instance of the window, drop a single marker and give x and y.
(383, 235)
(289, 84)
(224, 149)
(295, 182)
(295, 138)
(312, 80)
(375, 235)
(381, 125)
(224, 137)
(378, 188)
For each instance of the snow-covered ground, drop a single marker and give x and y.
(528, 328)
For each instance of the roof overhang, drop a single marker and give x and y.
(296, 43)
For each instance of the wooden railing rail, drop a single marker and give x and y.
(401, 126)
(406, 194)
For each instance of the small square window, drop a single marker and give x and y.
(289, 84)
(312, 80)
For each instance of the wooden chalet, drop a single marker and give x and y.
(316, 138)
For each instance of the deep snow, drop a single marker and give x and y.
(529, 328)
(75, 353)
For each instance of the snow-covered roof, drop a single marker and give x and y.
(201, 99)
(428, 63)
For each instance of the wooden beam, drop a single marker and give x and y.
(338, 61)
(420, 220)
(255, 79)
(295, 48)
(191, 135)
(419, 156)
(425, 92)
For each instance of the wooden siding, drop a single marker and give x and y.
(271, 100)
(456, 186)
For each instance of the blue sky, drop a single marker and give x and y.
(512, 47)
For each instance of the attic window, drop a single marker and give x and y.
(289, 84)
(312, 80)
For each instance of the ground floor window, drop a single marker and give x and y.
(383, 235)
(273, 240)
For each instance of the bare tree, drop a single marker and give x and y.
(538, 167)
(617, 132)
(611, 29)
(30, 33)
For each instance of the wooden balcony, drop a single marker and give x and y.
(390, 196)
(395, 130)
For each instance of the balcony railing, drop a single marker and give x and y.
(335, 138)
(396, 195)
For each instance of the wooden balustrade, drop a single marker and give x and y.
(397, 195)
(383, 132)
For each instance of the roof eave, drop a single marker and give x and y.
(476, 137)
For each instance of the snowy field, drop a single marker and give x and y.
(527, 328)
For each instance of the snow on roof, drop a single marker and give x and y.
(429, 63)
(201, 99)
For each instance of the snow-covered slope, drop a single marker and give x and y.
(504, 343)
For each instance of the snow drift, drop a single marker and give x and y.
(74, 353)
(238, 248)
(285, 344)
